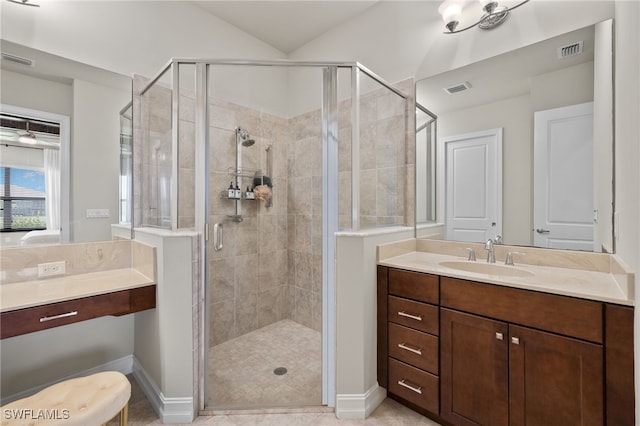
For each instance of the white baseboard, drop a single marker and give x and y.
(168, 409)
(124, 365)
(359, 406)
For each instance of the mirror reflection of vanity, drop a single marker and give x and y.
(86, 102)
(501, 102)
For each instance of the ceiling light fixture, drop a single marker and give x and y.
(494, 14)
(24, 3)
(27, 137)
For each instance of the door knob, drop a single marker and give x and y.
(542, 231)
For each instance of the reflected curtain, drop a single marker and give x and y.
(52, 187)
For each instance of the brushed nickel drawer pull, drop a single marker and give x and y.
(408, 386)
(415, 317)
(410, 349)
(68, 314)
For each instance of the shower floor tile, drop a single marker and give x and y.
(241, 370)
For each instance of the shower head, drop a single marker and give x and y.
(243, 137)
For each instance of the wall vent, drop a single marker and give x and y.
(570, 50)
(460, 87)
(17, 59)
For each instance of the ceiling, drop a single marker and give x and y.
(286, 25)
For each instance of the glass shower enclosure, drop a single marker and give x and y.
(269, 160)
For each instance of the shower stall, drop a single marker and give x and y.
(267, 162)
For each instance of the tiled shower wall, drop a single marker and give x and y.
(271, 265)
(152, 156)
(386, 159)
(305, 219)
(249, 285)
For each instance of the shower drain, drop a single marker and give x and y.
(280, 371)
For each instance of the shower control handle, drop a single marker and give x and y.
(217, 236)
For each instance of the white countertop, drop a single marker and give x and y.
(27, 294)
(587, 284)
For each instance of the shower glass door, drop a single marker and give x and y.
(264, 255)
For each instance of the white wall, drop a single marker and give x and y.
(357, 390)
(164, 337)
(33, 359)
(36, 93)
(627, 154)
(95, 153)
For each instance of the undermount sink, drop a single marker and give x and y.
(487, 268)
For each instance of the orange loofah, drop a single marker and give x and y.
(262, 192)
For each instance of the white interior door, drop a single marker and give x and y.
(563, 178)
(473, 186)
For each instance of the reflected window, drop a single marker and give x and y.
(22, 192)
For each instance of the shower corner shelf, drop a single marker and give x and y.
(244, 172)
(224, 196)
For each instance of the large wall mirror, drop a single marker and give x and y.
(62, 185)
(524, 146)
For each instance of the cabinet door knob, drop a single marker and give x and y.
(515, 340)
(499, 336)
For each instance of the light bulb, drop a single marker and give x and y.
(450, 12)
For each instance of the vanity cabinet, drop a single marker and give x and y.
(495, 373)
(28, 320)
(505, 356)
(410, 329)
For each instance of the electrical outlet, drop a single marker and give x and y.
(51, 269)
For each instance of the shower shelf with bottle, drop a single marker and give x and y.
(258, 190)
(235, 190)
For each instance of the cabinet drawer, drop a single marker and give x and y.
(414, 285)
(559, 314)
(414, 385)
(414, 314)
(28, 320)
(414, 347)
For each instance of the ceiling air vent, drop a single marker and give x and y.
(460, 87)
(17, 59)
(569, 50)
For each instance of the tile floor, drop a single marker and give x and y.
(242, 377)
(389, 413)
(241, 370)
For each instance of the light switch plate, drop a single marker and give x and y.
(97, 213)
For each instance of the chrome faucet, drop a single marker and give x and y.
(491, 257)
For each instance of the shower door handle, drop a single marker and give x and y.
(217, 237)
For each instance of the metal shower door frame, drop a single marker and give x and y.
(329, 198)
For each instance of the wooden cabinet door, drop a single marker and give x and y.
(474, 370)
(554, 380)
